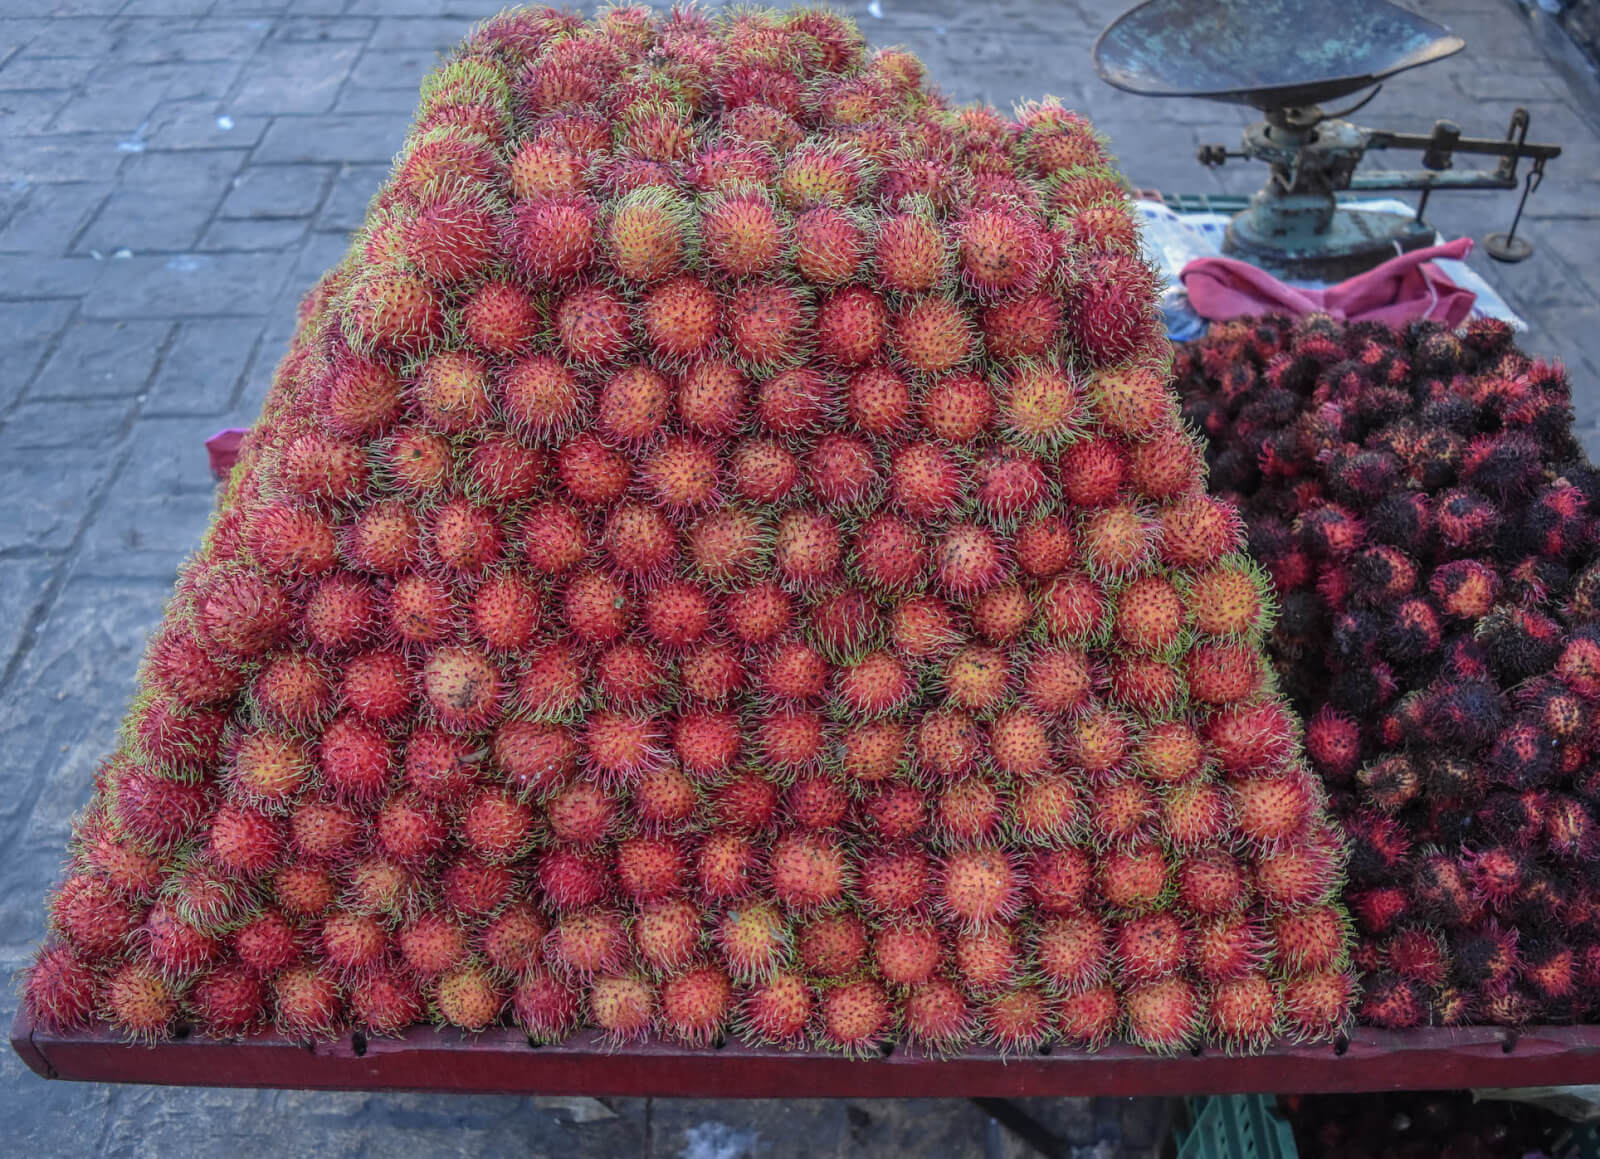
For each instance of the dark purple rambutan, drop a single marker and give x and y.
(1587, 963)
(1520, 642)
(1497, 873)
(1300, 624)
(1361, 477)
(1516, 1007)
(1434, 348)
(1369, 956)
(1291, 571)
(1461, 714)
(1379, 909)
(1544, 900)
(1331, 532)
(1397, 438)
(1397, 724)
(1578, 666)
(1486, 338)
(1583, 597)
(1381, 573)
(1550, 968)
(1377, 406)
(1556, 521)
(1410, 633)
(1355, 635)
(1419, 955)
(1522, 756)
(1465, 588)
(1453, 413)
(1402, 519)
(1465, 520)
(1333, 741)
(1379, 847)
(1503, 464)
(1433, 458)
(1463, 658)
(1536, 580)
(1441, 892)
(1515, 819)
(1569, 827)
(1454, 1006)
(1443, 821)
(1450, 778)
(1485, 958)
(1268, 409)
(1334, 586)
(1392, 1002)
(1270, 537)
(1363, 690)
(1390, 783)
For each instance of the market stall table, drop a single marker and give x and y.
(504, 1062)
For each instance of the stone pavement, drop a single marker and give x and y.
(175, 173)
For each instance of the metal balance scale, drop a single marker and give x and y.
(1284, 57)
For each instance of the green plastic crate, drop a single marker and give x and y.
(1235, 1127)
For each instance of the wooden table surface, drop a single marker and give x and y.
(503, 1061)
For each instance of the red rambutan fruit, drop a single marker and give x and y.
(937, 1015)
(741, 232)
(1227, 947)
(980, 886)
(622, 1006)
(498, 318)
(854, 1016)
(1197, 531)
(1317, 1005)
(306, 890)
(958, 408)
(139, 1002)
(1090, 1017)
(695, 1004)
(932, 335)
(587, 942)
(667, 932)
(308, 1001)
(1299, 873)
(543, 1006)
(1309, 940)
(807, 870)
(829, 245)
(777, 1009)
(1243, 1012)
(1164, 1016)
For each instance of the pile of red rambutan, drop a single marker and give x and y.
(1429, 523)
(721, 555)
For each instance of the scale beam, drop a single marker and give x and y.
(1480, 146)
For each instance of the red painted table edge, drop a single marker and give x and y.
(503, 1062)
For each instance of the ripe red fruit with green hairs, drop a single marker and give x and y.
(627, 599)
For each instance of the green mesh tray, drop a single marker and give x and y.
(1235, 1127)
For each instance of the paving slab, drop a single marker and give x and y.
(101, 360)
(28, 331)
(53, 216)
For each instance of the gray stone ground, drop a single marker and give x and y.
(175, 173)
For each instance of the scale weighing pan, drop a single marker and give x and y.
(1271, 54)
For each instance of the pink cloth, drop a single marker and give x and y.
(1401, 290)
(223, 447)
